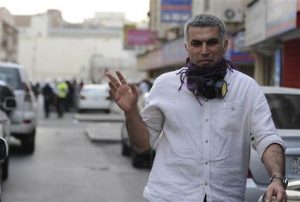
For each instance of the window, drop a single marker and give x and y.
(285, 110)
(11, 76)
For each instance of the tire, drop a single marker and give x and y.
(142, 160)
(80, 111)
(126, 151)
(29, 144)
(5, 168)
(135, 161)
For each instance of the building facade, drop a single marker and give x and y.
(49, 47)
(8, 37)
(172, 55)
(274, 38)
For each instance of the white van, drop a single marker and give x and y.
(24, 116)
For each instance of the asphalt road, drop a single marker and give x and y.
(67, 166)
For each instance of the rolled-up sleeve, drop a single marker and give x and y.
(153, 118)
(262, 125)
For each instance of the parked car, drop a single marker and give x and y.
(138, 160)
(285, 108)
(7, 104)
(3, 156)
(24, 116)
(95, 97)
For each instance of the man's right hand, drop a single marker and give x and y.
(124, 94)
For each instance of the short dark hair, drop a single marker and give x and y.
(205, 20)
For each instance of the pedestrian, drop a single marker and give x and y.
(61, 96)
(200, 118)
(48, 96)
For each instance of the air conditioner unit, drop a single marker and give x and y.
(228, 11)
(231, 14)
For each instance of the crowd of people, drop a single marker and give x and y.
(58, 95)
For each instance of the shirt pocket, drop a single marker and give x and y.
(231, 117)
(227, 126)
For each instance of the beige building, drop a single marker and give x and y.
(49, 47)
(8, 37)
(274, 39)
(171, 54)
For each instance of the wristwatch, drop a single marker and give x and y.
(283, 180)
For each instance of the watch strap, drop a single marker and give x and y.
(283, 180)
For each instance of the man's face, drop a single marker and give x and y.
(205, 46)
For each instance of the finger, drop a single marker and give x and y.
(268, 197)
(133, 89)
(121, 78)
(112, 86)
(112, 95)
(112, 79)
(281, 197)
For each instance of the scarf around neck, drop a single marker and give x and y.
(197, 75)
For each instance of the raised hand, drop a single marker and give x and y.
(124, 94)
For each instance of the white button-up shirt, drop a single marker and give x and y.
(204, 149)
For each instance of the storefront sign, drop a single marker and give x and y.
(140, 37)
(176, 11)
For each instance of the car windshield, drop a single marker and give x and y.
(285, 109)
(11, 76)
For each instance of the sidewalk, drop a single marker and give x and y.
(104, 132)
(103, 127)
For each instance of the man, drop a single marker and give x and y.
(48, 95)
(206, 111)
(61, 95)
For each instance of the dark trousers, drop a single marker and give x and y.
(204, 200)
(60, 106)
(47, 103)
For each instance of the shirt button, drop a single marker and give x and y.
(206, 163)
(206, 141)
(206, 120)
(205, 183)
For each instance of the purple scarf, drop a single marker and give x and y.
(197, 75)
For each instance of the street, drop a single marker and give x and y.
(68, 166)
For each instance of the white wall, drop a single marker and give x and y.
(66, 55)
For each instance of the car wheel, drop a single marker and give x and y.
(126, 150)
(5, 169)
(135, 160)
(142, 160)
(29, 144)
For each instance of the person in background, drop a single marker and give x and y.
(144, 86)
(48, 96)
(61, 96)
(200, 118)
(70, 96)
(36, 89)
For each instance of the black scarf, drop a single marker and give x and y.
(197, 76)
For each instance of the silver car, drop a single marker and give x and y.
(7, 104)
(24, 116)
(285, 108)
(3, 157)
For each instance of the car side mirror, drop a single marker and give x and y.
(3, 149)
(9, 104)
